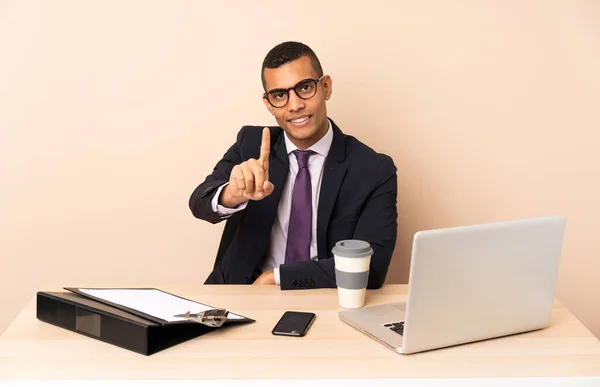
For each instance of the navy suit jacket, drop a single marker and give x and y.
(357, 201)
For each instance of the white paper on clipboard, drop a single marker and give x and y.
(152, 302)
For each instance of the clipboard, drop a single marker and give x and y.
(125, 299)
(120, 325)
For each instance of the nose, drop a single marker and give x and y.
(295, 103)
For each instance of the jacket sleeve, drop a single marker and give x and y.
(200, 201)
(377, 224)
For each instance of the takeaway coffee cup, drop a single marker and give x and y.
(352, 258)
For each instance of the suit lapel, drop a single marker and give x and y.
(333, 175)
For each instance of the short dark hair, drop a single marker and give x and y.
(286, 52)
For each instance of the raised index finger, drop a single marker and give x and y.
(265, 148)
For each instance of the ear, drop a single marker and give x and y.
(268, 106)
(327, 86)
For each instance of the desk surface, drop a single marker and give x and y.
(30, 349)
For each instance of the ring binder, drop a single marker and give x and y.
(125, 326)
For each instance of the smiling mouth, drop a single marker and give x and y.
(300, 121)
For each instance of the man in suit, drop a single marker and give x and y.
(290, 192)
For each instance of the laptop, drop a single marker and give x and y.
(471, 283)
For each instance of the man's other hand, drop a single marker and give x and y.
(266, 278)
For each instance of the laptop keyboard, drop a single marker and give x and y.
(397, 327)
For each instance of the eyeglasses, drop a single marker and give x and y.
(305, 89)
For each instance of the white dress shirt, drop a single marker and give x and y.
(278, 240)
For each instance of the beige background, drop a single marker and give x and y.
(111, 112)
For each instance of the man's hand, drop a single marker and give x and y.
(250, 179)
(266, 278)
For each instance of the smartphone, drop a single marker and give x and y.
(294, 324)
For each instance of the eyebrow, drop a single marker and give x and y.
(286, 88)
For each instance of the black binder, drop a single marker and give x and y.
(120, 326)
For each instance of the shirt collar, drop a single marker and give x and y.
(321, 147)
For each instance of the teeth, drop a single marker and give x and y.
(299, 120)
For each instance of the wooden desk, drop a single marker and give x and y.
(30, 349)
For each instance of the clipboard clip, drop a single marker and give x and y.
(211, 317)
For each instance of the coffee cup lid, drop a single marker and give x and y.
(352, 248)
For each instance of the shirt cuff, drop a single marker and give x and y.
(224, 211)
(276, 275)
